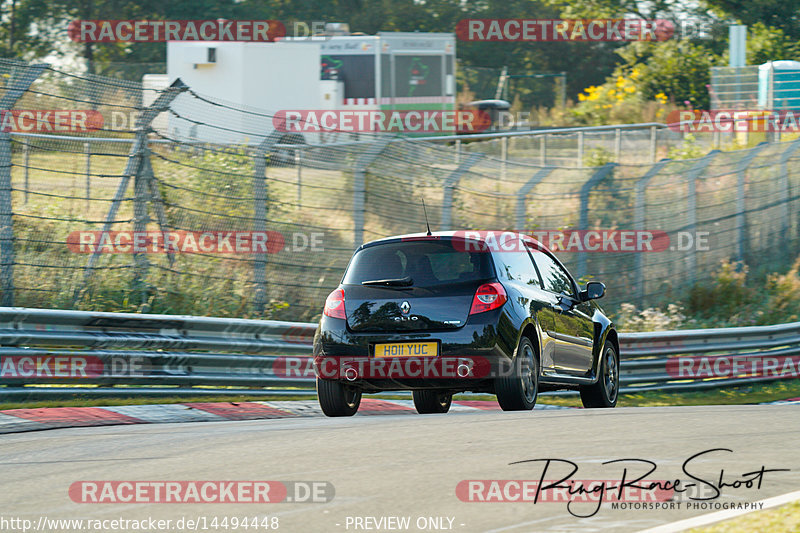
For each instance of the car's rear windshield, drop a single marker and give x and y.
(426, 263)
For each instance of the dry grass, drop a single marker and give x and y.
(785, 518)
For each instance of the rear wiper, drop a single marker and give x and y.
(393, 282)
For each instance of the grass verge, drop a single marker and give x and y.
(783, 518)
(755, 393)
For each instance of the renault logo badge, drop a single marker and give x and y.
(405, 307)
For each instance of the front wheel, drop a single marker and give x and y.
(517, 391)
(604, 393)
(337, 399)
(432, 401)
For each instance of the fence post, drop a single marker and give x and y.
(157, 202)
(140, 219)
(458, 151)
(26, 159)
(583, 222)
(638, 222)
(741, 217)
(16, 88)
(543, 150)
(617, 144)
(691, 212)
(523, 192)
(449, 185)
(298, 162)
(785, 193)
(360, 187)
(136, 158)
(653, 141)
(260, 199)
(580, 149)
(88, 151)
(503, 158)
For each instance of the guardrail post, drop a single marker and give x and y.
(523, 192)
(450, 184)
(360, 187)
(133, 168)
(691, 212)
(785, 193)
(16, 88)
(583, 222)
(260, 201)
(741, 217)
(638, 222)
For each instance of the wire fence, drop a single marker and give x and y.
(116, 205)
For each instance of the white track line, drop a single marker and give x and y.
(710, 518)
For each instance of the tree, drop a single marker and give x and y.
(769, 44)
(41, 27)
(782, 14)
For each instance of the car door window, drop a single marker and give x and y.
(554, 277)
(517, 266)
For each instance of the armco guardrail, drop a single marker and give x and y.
(47, 353)
(53, 353)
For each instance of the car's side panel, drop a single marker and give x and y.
(574, 337)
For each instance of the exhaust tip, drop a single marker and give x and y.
(350, 374)
(463, 370)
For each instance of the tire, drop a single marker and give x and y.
(337, 399)
(432, 401)
(604, 393)
(518, 391)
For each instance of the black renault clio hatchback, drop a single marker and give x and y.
(442, 313)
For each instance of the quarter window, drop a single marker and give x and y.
(555, 278)
(517, 266)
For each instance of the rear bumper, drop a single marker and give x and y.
(469, 357)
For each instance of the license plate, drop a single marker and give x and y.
(407, 349)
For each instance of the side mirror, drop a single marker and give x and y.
(593, 291)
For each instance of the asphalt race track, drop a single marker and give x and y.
(407, 466)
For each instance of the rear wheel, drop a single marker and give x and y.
(432, 401)
(518, 391)
(337, 399)
(604, 392)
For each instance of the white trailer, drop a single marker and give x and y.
(388, 71)
(252, 80)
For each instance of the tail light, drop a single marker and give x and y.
(334, 305)
(488, 296)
